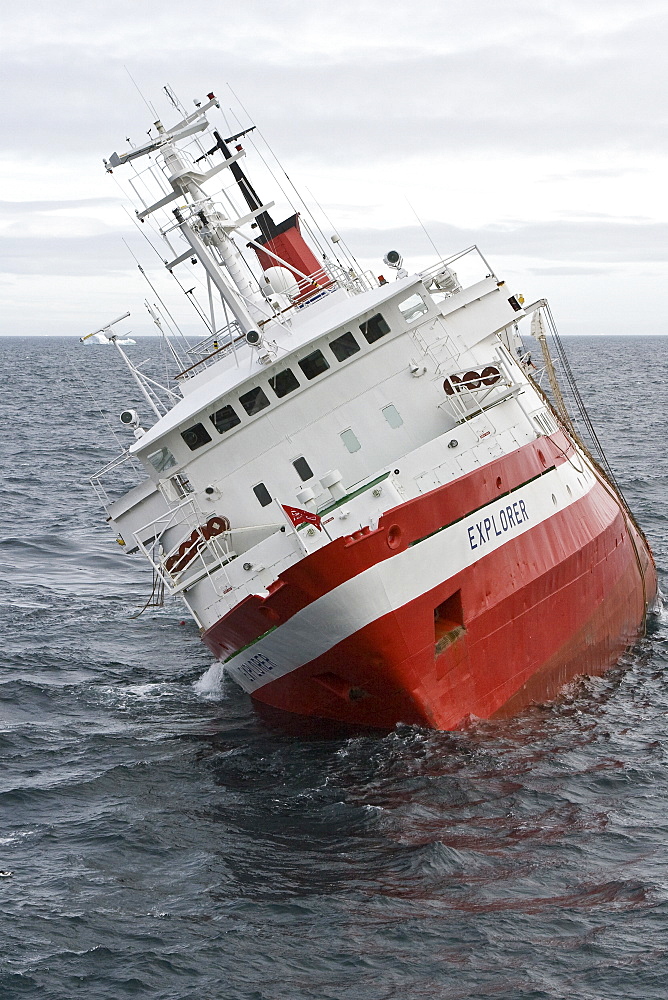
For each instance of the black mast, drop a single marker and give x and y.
(265, 222)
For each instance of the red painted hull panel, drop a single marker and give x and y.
(565, 598)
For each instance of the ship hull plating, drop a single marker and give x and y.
(434, 619)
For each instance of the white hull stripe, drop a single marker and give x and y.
(391, 584)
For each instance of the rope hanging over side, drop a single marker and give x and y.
(601, 467)
(157, 597)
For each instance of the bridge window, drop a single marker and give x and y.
(314, 364)
(253, 401)
(344, 346)
(375, 328)
(303, 469)
(413, 307)
(263, 495)
(284, 382)
(196, 436)
(349, 438)
(224, 419)
(161, 460)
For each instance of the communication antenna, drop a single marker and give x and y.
(107, 332)
(147, 103)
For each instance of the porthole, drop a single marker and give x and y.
(392, 415)
(303, 469)
(262, 494)
(350, 440)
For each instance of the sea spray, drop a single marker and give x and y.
(211, 684)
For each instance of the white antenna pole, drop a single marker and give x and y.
(133, 372)
(107, 332)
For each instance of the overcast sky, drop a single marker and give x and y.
(536, 129)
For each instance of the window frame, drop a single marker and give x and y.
(200, 444)
(164, 467)
(391, 406)
(283, 371)
(349, 430)
(307, 358)
(259, 391)
(262, 486)
(311, 474)
(364, 328)
(336, 340)
(414, 316)
(227, 406)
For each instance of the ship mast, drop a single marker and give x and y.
(204, 225)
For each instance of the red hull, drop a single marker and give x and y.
(565, 598)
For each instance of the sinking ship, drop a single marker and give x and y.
(357, 484)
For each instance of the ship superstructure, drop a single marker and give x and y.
(368, 505)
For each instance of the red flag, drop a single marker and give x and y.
(298, 516)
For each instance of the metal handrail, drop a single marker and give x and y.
(115, 463)
(447, 261)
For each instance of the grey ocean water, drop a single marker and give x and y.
(167, 843)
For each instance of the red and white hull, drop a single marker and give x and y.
(471, 600)
(355, 485)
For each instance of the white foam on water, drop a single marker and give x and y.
(211, 684)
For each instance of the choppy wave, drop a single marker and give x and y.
(167, 842)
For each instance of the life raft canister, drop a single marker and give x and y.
(189, 547)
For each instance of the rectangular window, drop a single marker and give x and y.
(314, 364)
(253, 401)
(413, 307)
(284, 382)
(349, 438)
(303, 469)
(263, 495)
(196, 436)
(344, 346)
(392, 415)
(161, 460)
(224, 419)
(375, 328)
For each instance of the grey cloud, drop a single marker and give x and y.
(371, 83)
(590, 173)
(588, 243)
(592, 244)
(563, 271)
(512, 84)
(21, 209)
(68, 255)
